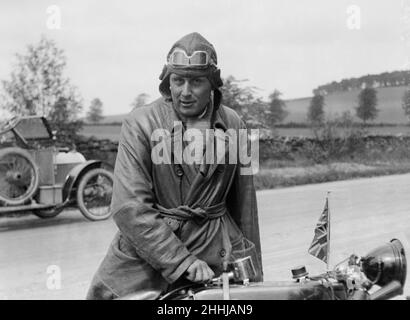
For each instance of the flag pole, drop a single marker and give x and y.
(328, 233)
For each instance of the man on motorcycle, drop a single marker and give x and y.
(178, 220)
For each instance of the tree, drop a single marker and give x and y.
(244, 101)
(367, 105)
(406, 103)
(38, 86)
(140, 100)
(315, 112)
(66, 130)
(95, 112)
(255, 114)
(37, 82)
(276, 109)
(237, 96)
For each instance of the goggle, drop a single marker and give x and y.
(180, 58)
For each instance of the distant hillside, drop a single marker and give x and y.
(117, 118)
(389, 104)
(382, 80)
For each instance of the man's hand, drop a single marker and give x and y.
(199, 271)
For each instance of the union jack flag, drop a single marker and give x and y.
(320, 244)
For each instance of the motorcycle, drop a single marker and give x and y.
(379, 275)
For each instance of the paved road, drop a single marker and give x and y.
(365, 213)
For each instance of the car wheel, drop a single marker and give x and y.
(19, 176)
(94, 194)
(48, 213)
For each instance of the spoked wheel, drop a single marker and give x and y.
(19, 177)
(94, 194)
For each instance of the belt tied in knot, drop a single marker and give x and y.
(198, 214)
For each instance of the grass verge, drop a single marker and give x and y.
(271, 178)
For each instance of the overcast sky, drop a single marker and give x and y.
(116, 49)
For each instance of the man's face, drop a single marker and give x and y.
(190, 95)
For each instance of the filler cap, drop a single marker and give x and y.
(299, 272)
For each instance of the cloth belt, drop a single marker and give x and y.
(198, 214)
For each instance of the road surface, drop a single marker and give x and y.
(35, 253)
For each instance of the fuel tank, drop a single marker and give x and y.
(281, 290)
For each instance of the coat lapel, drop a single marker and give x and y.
(176, 145)
(221, 143)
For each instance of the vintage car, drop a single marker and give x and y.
(37, 176)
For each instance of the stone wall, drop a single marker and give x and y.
(285, 148)
(281, 148)
(95, 149)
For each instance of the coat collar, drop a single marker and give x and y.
(174, 126)
(217, 122)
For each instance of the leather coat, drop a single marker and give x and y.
(168, 215)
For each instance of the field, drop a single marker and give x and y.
(112, 132)
(389, 104)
